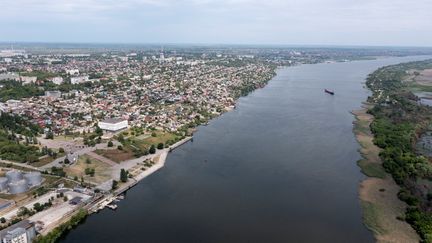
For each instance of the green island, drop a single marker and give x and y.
(388, 130)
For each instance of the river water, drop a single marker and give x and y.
(279, 168)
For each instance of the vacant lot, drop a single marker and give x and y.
(115, 154)
(424, 77)
(102, 170)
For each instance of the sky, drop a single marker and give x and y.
(262, 22)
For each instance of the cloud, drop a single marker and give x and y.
(283, 21)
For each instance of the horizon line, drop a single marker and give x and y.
(216, 44)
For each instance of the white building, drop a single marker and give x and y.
(9, 76)
(113, 125)
(80, 79)
(53, 94)
(13, 103)
(72, 71)
(57, 80)
(28, 79)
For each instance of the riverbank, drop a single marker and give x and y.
(159, 163)
(378, 192)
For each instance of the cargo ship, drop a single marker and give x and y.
(329, 91)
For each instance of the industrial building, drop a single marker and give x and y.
(16, 182)
(22, 232)
(113, 124)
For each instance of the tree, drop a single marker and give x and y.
(23, 211)
(154, 134)
(49, 135)
(160, 146)
(98, 131)
(61, 150)
(38, 207)
(89, 171)
(120, 147)
(110, 144)
(120, 138)
(152, 149)
(88, 161)
(114, 185)
(123, 175)
(2, 220)
(66, 161)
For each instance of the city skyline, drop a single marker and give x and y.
(249, 22)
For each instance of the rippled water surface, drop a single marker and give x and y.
(279, 168)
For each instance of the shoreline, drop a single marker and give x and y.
(380, 205)
(158, 165)
(105, 200)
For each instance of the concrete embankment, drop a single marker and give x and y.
(155, 167)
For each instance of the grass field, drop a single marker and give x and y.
(102, 170)
(161, 137)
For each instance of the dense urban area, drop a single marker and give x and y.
(80, 125)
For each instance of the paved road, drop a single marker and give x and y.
(21, 165)
(59, 161)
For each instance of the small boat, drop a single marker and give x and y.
(329, 91)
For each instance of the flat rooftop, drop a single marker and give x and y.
(113, 120)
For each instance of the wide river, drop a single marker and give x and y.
(279, 168)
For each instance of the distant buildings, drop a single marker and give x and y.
(28, 79)
(57, 80)
(79, 79)
(53, 94)
(72, 71)
(21, 232)
(113, 125)
(9, 76)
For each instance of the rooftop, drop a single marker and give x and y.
(113, 120)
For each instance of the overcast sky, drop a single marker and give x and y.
(291, 22)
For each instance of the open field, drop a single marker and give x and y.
(424, 77)
(102, 170)
(161, 137)
(378, 193)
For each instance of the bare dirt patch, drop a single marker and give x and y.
(115, 154)
(424, 77)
